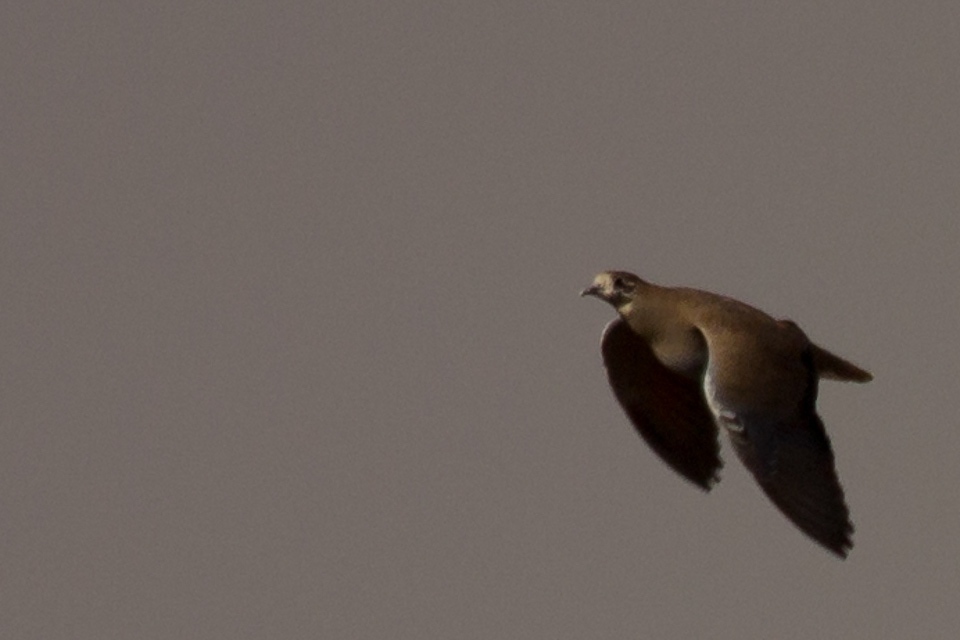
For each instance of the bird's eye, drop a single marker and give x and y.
(619, 284)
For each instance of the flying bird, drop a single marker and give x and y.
(685, 363)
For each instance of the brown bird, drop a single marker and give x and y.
(683, 361)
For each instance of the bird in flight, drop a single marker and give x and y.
(684, 363)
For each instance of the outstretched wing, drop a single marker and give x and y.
(667, 409)
(792, 460)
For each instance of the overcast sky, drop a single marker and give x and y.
(291, 339)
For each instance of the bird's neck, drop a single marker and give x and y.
(652, 312)
(657, 316)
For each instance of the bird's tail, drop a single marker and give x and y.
(836, 368)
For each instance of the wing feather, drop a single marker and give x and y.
(668, 410)
(793, 462)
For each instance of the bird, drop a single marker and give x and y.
(685, 364)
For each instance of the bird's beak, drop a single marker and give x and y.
(591, 291)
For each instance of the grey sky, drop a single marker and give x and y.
(292, 345)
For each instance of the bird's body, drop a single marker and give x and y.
(683, 361)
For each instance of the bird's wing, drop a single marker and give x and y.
(792, 460)
(668, 410)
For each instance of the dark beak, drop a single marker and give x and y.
(591, 291)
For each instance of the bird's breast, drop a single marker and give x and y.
(683, 351)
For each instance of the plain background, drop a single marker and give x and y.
(291, 339)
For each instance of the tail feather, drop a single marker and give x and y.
(836, 368)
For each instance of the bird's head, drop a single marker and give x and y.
(619, 288)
